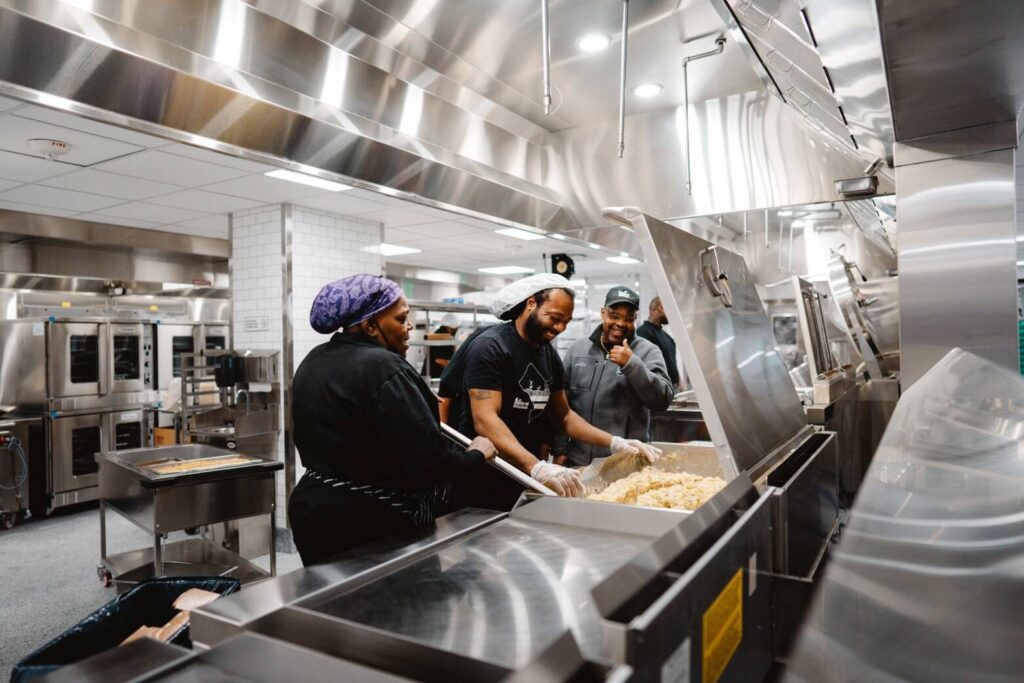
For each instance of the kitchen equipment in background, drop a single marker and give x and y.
(191, 486)
(22, 443)
(92, 364)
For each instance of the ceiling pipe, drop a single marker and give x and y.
(622, 78)
(719, 46)
(546, 37)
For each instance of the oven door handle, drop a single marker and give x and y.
(106, 344)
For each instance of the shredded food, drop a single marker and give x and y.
(199, 465)
(656, 488)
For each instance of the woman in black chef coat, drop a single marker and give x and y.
(366, 426)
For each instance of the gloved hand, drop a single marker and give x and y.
(562, 480)
(634, 446)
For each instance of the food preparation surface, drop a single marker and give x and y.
(501, 595)
(173, 466)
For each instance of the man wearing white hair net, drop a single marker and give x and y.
(514, 379)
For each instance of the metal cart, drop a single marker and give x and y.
(161, 490)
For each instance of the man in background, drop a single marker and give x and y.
(613, 379)
(652, 332)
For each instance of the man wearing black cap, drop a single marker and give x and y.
(614, 379)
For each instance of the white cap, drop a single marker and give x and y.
(449, 320)
(510, 296)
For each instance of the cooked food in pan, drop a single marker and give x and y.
(178, 466)
(656, 488)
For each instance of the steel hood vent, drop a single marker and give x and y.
(783, 46)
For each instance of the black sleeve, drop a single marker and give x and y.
(409, 432)
(486, 365)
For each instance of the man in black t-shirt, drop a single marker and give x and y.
(514, 379)
(652, 332)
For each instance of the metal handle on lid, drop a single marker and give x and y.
(505, 468)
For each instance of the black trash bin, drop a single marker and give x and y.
(149, 603)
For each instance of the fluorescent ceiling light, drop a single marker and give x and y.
(175, 285)
(647, 89)
(623, 259)
(306, 179)
(507, 270)
(557, 237)
(385, 249)
(593, 42)
(785, 213)
(519, 234)
(594, 246)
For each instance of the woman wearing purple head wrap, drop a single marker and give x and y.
(366, 426)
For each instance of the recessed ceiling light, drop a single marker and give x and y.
(557, 237)
(519, 234)
(507, 270)
(623, 259)
(647, 89)
(306, 179)
(785, 213)
(385, 249)
(593, 42)
(594, 246)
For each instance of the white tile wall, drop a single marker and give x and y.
(257, 292)
(325, 247)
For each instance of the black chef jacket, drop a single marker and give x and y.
(364, 422)
(666, 343)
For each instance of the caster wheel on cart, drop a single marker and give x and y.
(106, 579)
(7, 520)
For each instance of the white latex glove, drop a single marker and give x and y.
(562, 480)
(633, 446)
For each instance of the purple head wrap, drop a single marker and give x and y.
(351, 300)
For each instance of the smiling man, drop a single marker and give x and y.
(614, 379)
(514, 379)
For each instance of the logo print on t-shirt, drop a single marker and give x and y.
(535, 386)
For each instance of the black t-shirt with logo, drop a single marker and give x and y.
(500, 360)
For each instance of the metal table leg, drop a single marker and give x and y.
(273, 544)
(158, 560)
(103, 531)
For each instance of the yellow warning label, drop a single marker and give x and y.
(723, 628)
(65, 304)
(154, 307)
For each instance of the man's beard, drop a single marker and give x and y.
(533, 329)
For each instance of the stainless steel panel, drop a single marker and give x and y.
(924, 585)
(126, 429)
(69, 437)
(500, 596)
(958, 254)
(742, 385)
(23, 362)
(219, 620)
(950, 65)
(126, 357)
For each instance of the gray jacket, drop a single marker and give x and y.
(617, 400)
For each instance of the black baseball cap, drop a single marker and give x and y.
(621, 295)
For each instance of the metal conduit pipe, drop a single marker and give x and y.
(622, 78)
(546, 38)
(719, 46)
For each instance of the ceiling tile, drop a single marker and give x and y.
(75, 122)
(399, 236)
(397, 217)
(341, 203)
(207, 202)
(219, 158)
(56, 198)
(154, 164)
(217, 224)
(29, 208)
(109, 184)
(151, 212)
(29, 169)
(115, 220)
(86, 148)
(264, 189)
(8, 103)
(445, 229)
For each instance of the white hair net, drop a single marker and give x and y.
(449, 320)
(510, 296)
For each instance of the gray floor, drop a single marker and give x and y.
(48, 576)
